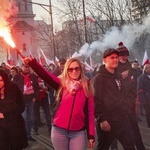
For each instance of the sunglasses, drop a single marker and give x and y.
(72, 69)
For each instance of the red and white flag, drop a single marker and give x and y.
(10, 60)
(47, 61)
(30, 54)
(88, 67)
(56, 60)
(145, 59)
(41, 58)
(91, 62)
(91, 19)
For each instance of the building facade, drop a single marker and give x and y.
(22, 30)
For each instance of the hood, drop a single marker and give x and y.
(104, 72)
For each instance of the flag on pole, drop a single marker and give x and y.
(41, 58)
(30, 53)
(145, 59)
(56, 60)
(47, 61)
(91, 19)
(10, 60)
(91, 62)
(88, 67)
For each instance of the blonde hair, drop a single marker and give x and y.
(87, 86)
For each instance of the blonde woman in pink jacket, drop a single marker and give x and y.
(74, 116)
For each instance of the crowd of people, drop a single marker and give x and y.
(74, 101)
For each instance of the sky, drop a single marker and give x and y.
(41, 12)
(38, 10)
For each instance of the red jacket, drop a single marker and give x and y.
(70, 115)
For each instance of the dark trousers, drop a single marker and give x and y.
(121, 131)
(136, 131)
(45, 106)
(147, 111)
(28, 113)
(51, 96)
(114, 144)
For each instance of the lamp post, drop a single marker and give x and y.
(52, 29)
(51, 19)
(85, 24)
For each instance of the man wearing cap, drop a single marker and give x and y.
(57, 71)
(28, 83)
(112, 119)
(129, 84)
(60, 67)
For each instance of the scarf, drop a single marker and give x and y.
(28, 87)
(72, 86)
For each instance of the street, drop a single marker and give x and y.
(43, 141)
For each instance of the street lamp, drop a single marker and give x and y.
(52, 29)
(85, 23)
(51, 18)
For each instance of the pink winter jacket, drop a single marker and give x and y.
(70, 114)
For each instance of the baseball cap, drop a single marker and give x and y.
(109, 51)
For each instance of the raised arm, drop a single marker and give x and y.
(48, 77)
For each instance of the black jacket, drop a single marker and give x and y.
(19, 80)
(129, 86)
(13, 124)
(109, 97)
(143, 88)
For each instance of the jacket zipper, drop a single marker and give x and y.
(71, 112)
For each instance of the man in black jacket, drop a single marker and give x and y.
(129, 84)
(28, 83)
(110, 111)
(143, 87)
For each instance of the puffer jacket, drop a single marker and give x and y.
(70, 115)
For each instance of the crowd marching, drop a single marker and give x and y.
(75, 102)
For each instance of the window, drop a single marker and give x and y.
(19, 6)
(26, 7)
(24, 46)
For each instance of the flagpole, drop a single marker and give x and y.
(52, 28)
(85, 23)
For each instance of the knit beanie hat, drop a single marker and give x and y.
(123, 51)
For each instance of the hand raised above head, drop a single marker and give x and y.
(26, 60)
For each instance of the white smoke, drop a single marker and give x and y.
(82, 51)
(127, 34)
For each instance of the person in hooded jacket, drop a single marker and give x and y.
(110, 112)
(12, 125)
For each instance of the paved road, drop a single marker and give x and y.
(44, 143)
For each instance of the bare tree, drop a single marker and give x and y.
(140, 9)
(71, 14)
(43, 37)
(141, 44)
